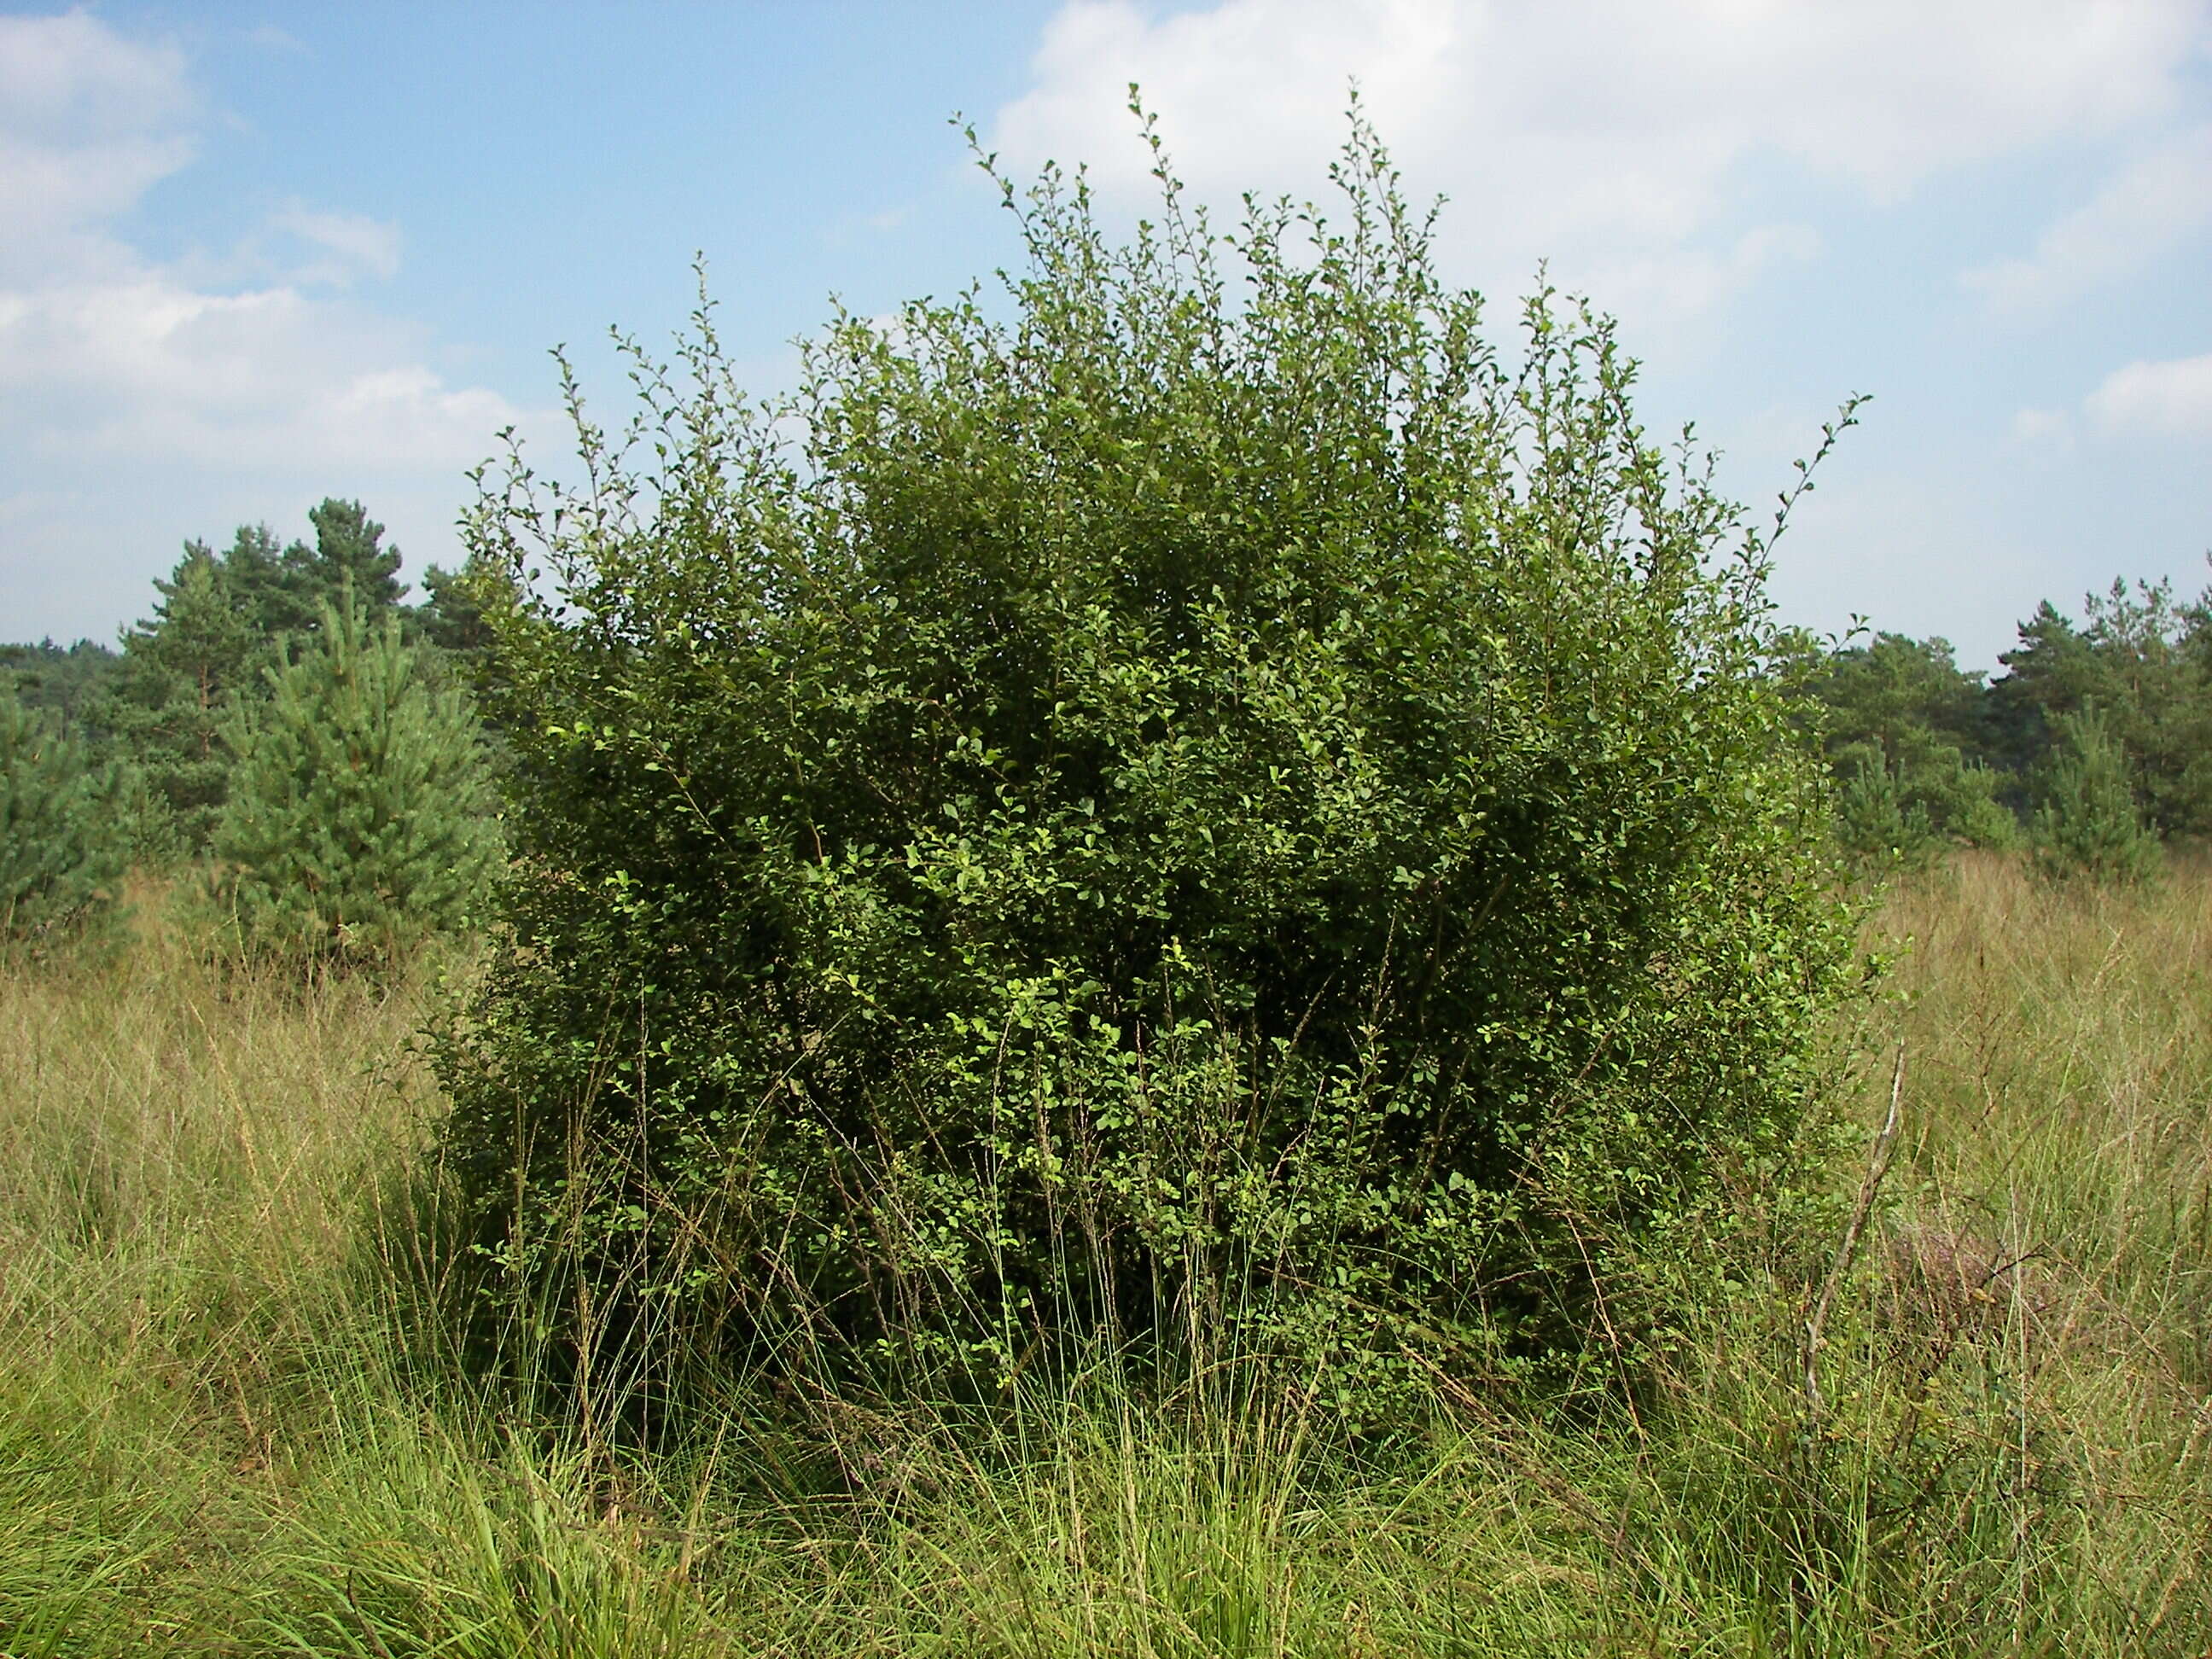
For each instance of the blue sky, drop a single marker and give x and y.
(253, 256)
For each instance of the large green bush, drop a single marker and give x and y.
(361, 819)
(1198, 809)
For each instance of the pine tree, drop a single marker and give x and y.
(182, 671)
(62, 844)
(359, 819)
(349, 555)
(451, 613)
(1874, 823)
(222, 619)
(281, 590)
(2089, 822)
(276, 588)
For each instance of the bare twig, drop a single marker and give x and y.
(1878, 1160)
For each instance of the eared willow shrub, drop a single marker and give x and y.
(1197, 804)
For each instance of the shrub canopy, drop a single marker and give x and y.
(1165, 805)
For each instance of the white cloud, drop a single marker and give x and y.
(2155, 200)
(88, 121)
(1671, 283)
(60, 75)
(2169, 399)
(2039, 426)
(270, 378)
(237, 362)
(351, 244)
(1609, 134)
(1240, 86)
(143, 399)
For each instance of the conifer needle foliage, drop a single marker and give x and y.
(2088, 823)
(1194, 801)
(62, 844)
(360, 818)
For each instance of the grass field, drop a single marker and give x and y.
(227, 1428)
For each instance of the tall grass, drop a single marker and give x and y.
(228, 1424)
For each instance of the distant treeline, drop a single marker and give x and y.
(219, 623)
(284, 725)
(2094, 743)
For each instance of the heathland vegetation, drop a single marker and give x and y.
(1176, 967)
(233, 1418)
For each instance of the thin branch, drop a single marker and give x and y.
(1878, 1161)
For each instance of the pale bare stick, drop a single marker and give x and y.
(1878, 1158)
